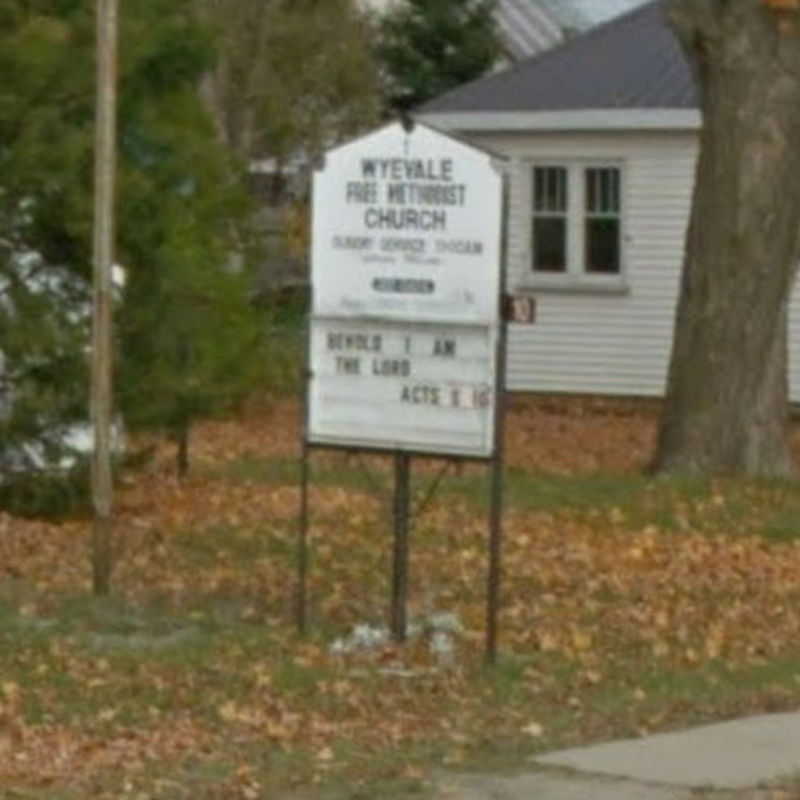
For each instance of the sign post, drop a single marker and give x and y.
(402, 487)
(405, 334)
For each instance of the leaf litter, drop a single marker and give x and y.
(628, 606)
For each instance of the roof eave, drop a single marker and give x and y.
(613, 119)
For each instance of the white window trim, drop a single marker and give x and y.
(576, 278)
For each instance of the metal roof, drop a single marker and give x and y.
(566, 13)
(632, 62)
(588, 12)
(526, 27)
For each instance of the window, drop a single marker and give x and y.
(576, 226)
(550, 205)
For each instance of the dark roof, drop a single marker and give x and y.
(633, 61)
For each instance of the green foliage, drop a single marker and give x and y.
(37, 493)
(184, 325)
(292, 77)
(43, 159)
(188, 336)
(285, 343)
(429, 46)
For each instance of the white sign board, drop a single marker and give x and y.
(405, 281)
(392, 386)
(407, 226)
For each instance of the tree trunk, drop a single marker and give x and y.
(726, 407)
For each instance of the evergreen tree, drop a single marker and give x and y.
(44, 158)
(429, 46)
(180, 204)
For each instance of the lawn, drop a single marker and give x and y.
(629, 605)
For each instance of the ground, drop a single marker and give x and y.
(629, 605)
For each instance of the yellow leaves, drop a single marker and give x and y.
(636, 553)
(594, 596)
(262, 674)
(581, 640)
(548, 643)
(782, 5)
(715, 641)
(593, 676)
(661, 649)
(533, 729)
(228, 711)
(307, 656)
(325, 755)
(617, 516)
(250, 716)
(692, 656)
(278, 730)
(11, 691)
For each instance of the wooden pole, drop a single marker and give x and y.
(103, 258)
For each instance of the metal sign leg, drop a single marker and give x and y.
(302, 547)
(402, 480)
(495, 560)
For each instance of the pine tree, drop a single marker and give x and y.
(429, 46)
(180, 209)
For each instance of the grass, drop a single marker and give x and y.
(104, 650)
(765, 508)
(629, 604)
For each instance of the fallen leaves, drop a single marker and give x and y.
(533, 729)
(596, 592)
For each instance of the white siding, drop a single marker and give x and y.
(606, 343)
(593, 343)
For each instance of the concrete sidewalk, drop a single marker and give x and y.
(737, 759)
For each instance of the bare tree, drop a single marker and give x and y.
(290, 76)
(726, 408)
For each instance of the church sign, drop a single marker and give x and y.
(406, 281)
(406, 335)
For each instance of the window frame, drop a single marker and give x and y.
(576, 277)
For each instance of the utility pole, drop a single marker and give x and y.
(103, 258)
